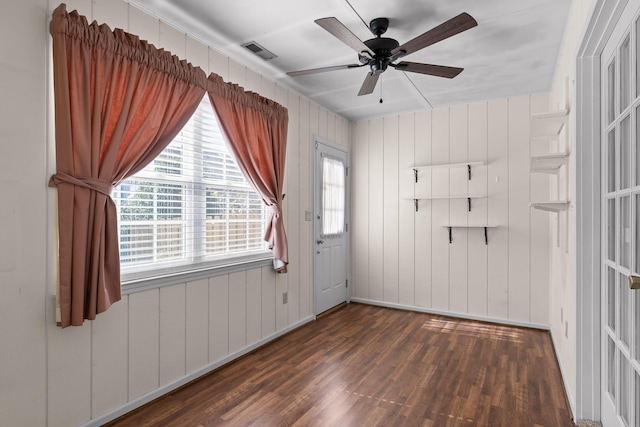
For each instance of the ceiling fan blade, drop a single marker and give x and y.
(430, 69)
(322, 70)
(369, 84)
(454, 26)
(343, 34)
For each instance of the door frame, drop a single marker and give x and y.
(320, 140)
(603, 17)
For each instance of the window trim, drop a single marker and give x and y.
(131, 284)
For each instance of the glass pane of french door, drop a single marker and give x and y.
(621, 228)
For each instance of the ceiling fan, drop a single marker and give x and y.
(381, 52)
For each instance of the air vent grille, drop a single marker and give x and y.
(258, 50)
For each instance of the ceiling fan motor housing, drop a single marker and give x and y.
(381, 47)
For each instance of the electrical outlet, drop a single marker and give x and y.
(307, 216)
(285, 297)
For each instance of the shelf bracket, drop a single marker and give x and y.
(469, 171)
(486, 238)
(415, 174)
(469, 203)
(450, 235)
(415, 203)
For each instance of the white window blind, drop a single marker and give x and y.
(190, 206)
(333, 196)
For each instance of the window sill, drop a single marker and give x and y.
(133, 285)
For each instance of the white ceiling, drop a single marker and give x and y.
(512, 51)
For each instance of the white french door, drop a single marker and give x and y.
(330, 226)
(620, 370)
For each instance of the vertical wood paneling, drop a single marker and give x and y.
(237, 73)
(218, 317)
(306, 187)
(323, 123)
(237, 311)
(115, 13)
(390, 211)
(197, 324)
(109, 358)
(144, 342)
(360, 210)
(406, 213)
(423, 218)
(172, 333)
(172, 39)
(458, 184)
(82, 6)
(69, 356)
(331, 127)
(540, 241)
(197, 53)
(254, 305)
(295, 212)
(440, 211)
(219, 64)
(253, 81)
(304, 236)
(282, 315)
(477, 249)
(141, 24)
(268, 301)
(519, 211)
(498, 209)
(376, 210)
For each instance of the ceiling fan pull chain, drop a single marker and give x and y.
(381, 90)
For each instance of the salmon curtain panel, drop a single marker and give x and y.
(118, 103)
(256, 131)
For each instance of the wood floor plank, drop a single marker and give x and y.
(372, 366)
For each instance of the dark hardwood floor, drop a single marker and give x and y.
(371, 366)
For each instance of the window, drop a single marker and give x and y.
(190, 207)
(333, 196)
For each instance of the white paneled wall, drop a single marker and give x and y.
(153, 340)
(401, 257)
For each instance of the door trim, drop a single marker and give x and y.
(603, 17)
(320, 140)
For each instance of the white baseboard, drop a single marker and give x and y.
(453, 314)
(570, 398)
(146, 398)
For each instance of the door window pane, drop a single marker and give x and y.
(611, 230)
(638, 94)
(333, 196)
(637, 242)
(625, 376)
(611, 298)
(625, 74)
(625, 231)
(611, 368)
(611, 89)
(611, 161)
(624, 304)
(636, 323)
(637, 399)
(625, 153)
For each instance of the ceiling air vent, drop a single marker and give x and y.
(259, 51)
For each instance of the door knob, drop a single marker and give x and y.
(634, 282)
(319, 241)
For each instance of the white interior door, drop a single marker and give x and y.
(330, 226)
(620, 389)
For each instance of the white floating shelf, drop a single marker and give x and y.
(549, 163)
(548, 125)
(551, 206)
(467, 165)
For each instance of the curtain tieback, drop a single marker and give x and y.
(275, 209)
(95, 184)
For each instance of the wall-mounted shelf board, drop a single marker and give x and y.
(549, 163)
(548, 125)
(484, 226)
(551, 206)
(416, 199)
(468, 165)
